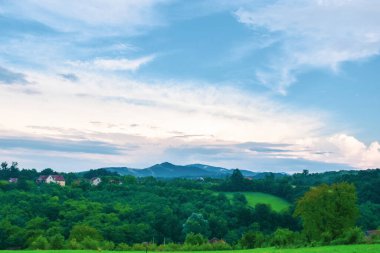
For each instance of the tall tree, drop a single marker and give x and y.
(327, 211)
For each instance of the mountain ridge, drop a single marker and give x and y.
(169, 170)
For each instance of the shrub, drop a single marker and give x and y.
(123, 247)
(195, 239)
(252, 240)
(351, 236)
(89, 243)
(73, 244)
(107, 245)
(40, 243)
(283, 237)
(172, 247)
(57, 241)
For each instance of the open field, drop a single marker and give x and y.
(253, 198)
(363, 248)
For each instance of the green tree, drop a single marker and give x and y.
(237, 180)
(196, 224)
(81, 232)
(327, 211)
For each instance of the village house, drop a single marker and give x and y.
(95, 181)
(13, 180)
(57, 179)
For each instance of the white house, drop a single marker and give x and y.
(95, 181)
(57, 179)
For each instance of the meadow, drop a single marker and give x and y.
(360, 248)
(277, 204)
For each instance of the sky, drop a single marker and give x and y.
(262, 85)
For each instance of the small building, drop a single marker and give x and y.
(57, 179)
(13, 180)
(95, 181)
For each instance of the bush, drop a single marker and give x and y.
(40, 243)
(123, 247)
(170, 247)
(107, 245)
(252, 240)
(195, 239)
(283, 237)
(221, 245)
(57, 241)
(73, 244)
(89, 243)
(351, 236)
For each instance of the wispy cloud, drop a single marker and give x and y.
(314, 34)
(90, 17)
(70, 77)
(114, 64)
(56, 145)
(10, 77)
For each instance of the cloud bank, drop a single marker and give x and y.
(141, 123)
(314, 34)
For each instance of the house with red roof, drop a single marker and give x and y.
(56, 179)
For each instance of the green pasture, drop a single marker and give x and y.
(360, 248)
(278, 204)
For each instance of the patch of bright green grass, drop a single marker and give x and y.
(278, 204)
(360, 248)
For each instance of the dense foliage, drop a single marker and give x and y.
(123, 212)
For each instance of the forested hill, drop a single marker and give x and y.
(169, 170)
(127, 209)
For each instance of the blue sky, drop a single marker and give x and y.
(259, 85)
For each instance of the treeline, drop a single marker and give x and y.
(292, 187)
(177, 214)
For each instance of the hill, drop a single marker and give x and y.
(169, 170)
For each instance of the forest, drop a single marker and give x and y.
(129, 213)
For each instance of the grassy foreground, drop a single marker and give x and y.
(253, 198)
(362, 248)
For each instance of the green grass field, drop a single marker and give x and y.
(364, 248)
(253, 198)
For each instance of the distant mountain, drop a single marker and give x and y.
(169, 170)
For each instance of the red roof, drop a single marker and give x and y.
(58, 178)
(55, 177)
(42, 178)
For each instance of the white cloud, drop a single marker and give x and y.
(114, 64)
(316, 33)
(159, 116)
(150, 115)
(342, 148)
(95, 16)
